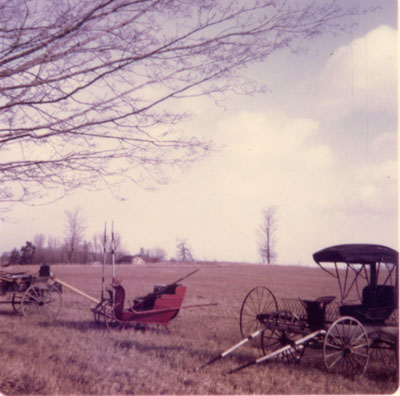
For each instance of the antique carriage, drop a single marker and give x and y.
(33, 296)
(360, 322)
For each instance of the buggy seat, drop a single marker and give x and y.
(316, 311)
(144, 303)
(376, 306)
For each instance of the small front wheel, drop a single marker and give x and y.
(346, 347)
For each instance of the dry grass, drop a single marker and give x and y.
(74, 356)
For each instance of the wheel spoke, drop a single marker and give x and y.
(333, 346)
(365, 345)
(339, 357)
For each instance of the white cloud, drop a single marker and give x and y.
(384, 147)
(362, 75)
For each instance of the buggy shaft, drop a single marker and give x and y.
(280, 350)
(236, 346)
(77, 291)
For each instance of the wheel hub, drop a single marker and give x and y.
(347, 350)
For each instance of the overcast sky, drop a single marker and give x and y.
(321, 145)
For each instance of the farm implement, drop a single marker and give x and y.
(33, 296)
(362, 325)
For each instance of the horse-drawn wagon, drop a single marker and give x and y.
(31, 295)
(359, 323)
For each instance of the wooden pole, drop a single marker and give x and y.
(77, 290)
(113, 251)
(104, 259)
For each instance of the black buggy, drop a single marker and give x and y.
(359, 323)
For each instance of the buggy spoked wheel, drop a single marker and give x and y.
(112, 323)
(42, 301)
(257, 306)
(383, 350)
(346, 347)
(16, 301)
(280, 332)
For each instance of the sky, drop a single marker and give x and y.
(320, 145)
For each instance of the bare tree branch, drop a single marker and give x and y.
(88, 88)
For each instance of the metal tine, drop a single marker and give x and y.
(279, 351)
(236, 346)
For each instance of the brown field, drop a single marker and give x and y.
(73, 355)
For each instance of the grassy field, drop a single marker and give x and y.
(73, 355)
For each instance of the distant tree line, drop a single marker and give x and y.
(75, 248)
(153, 255)
(55, 251)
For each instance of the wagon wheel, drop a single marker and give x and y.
(383, 349)
(16, 300)
(257, 306)
(41, 300)
(279, 332)
(112, 323)
(346, 347)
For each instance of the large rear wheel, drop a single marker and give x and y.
(257, 306)
(346, 347)
(383, 349)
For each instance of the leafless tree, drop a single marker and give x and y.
(183, 251)
(97, 243)
(53, 250)
(74, 231)
(86, 252)
(89, 89)
(39, 241)
(266, 235)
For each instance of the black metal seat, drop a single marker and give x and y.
(316, 311)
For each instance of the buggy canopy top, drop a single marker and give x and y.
(372, 265)
(366, 254)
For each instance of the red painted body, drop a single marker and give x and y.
(165, 308)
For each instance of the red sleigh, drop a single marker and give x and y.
(157, 308)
